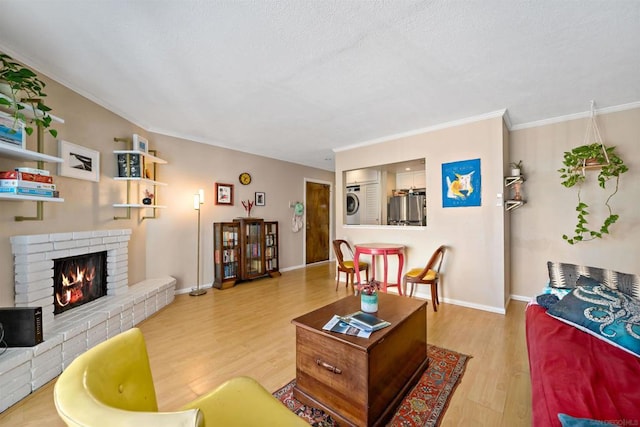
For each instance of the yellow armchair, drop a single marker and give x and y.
(111, 385)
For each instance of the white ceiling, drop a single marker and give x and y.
(297, 79)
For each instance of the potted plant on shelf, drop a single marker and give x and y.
(573, 173)
(24, 87)
(516, 168)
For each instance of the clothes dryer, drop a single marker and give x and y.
(353, 205)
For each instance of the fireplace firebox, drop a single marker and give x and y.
(78, 280)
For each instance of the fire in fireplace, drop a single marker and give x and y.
(78, 280)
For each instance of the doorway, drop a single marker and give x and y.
(318, 220)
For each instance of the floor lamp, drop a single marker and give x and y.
(198, 199)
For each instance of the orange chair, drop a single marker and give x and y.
(430, 275)
(346, 266)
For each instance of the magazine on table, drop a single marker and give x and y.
(365, 321)
(336, 324)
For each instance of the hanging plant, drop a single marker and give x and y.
(576, 162)
(24, 88)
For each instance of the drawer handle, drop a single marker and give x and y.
(328, 367)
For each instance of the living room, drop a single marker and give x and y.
(496, 256)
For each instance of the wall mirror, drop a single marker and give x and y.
(392, 194)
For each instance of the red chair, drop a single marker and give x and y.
(429, 275)
(347, 266)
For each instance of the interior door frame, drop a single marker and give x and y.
(331, 217)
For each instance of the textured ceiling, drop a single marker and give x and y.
(296, 79)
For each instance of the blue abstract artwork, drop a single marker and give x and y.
(461, 184)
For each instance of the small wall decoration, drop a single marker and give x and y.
(260, 198)
(224, 194)
(79, 162)
(461, 184)
(140, 143)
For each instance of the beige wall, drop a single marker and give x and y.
(166, 245)
(475, 263)
(537, 228)
(172, 240)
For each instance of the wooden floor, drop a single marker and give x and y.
(196, 343)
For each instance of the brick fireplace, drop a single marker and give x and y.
(69, 334)
(34, 257)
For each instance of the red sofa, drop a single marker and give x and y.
(578, 374)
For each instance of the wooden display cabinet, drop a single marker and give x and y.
(244, 249)
(271, 250)
(225, 254)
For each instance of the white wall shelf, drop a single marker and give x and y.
(20, 197)
(137, 206)
(28, 110)
(513, 183)
(12, 152)
(147, 157)
(144, 159)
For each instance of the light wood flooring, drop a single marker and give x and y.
(196, 343)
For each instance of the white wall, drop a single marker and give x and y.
(475, 263)
(537, 228)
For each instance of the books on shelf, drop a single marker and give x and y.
(357, 324)
(130, 165)
(27, 182)
(29, 191)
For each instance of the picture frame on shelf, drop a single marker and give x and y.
(12, 133)
(260, 198)
(78, 162)
(140, 143)
(224, 194)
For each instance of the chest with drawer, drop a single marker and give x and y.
(361, 381)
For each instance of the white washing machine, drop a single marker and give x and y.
(353, 205)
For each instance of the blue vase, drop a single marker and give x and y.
(369, 303)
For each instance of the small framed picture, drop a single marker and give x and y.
(140, 143)
(79, 162)
(224, 194)
(260, 198)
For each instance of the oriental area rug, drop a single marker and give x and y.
(423, 406)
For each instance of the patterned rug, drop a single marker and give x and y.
(424, 405)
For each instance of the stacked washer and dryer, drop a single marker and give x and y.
(363, 197)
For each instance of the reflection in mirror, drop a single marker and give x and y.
(390, 194)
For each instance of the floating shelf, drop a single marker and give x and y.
(147, 156)
(18, 197)
(16, 153)
(137, 205)
(28, 110)
(510, 181)
(513, 204)
(143, 180)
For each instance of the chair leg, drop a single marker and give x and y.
(337, 279)
(434, 296)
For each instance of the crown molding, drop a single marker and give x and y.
(575, 116)
(467, 120)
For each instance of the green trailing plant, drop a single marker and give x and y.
(573, 173)
(26, 88)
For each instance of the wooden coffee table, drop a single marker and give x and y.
(361, 381)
